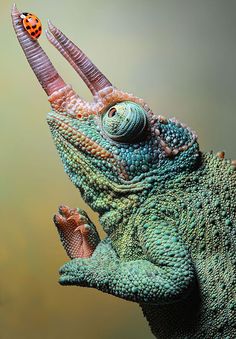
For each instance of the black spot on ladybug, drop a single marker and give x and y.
(36, 31)
(40, 28)
(26, 20)
(36, 20)
(28, 27)
(34, 26)
(33, 34)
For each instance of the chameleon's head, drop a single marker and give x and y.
(114, 143)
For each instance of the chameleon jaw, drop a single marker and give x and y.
(83, 148)
(67, 131)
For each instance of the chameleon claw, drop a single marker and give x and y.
(58, 220)
(64, 210)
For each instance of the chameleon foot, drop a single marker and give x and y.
(78, 235)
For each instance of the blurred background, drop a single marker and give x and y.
(177, 55)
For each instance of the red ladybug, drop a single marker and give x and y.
(32, 25)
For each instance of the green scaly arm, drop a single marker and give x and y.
(167, 274)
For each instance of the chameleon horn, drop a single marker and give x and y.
(67, 56)
(94, 79)
(47, 75)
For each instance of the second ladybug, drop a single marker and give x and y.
(32, 25)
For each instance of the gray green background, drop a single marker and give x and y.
(180, 56)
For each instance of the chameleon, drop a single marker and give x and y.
(167, 208)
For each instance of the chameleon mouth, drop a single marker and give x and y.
(61, 96)
(75, 137)
(85, 167)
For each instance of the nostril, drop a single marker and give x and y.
(112, 112)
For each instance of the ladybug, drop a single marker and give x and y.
(32, 25)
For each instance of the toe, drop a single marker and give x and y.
(59, 220)
(64, 210)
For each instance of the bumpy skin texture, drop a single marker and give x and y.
(171, 236)
(168, 209)
(172, 250)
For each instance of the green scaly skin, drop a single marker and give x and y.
(168, 210)
(170, 244)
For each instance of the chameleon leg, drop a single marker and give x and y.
(166, 275)
(78, 235)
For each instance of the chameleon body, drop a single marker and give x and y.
(167, 208)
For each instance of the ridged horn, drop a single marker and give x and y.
(67, 56)
(94, 79)
(47, 75)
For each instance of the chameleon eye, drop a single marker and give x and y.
(124, 121)
(112, 112)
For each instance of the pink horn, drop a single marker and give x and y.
(67, 56)
(94, 79)
(37, 58)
